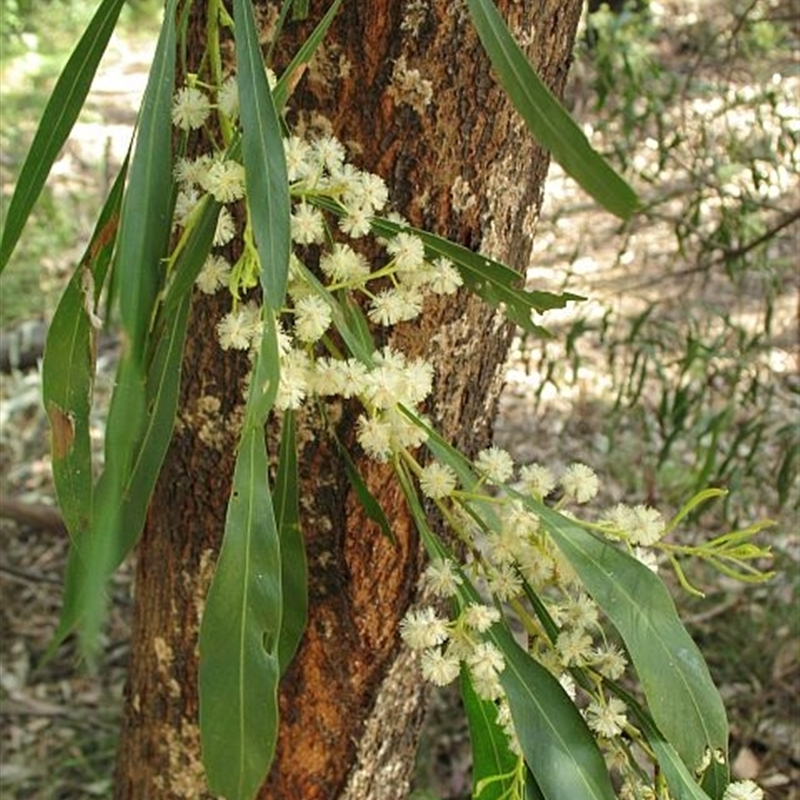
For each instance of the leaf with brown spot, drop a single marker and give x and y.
(62, 428)
(104, 236)
(68, 370)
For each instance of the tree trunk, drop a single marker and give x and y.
(459, 163)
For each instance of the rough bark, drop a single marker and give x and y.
(459, 163)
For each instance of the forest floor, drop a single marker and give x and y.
(569, 399)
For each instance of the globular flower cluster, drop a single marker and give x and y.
(743, 790)
(446, 646)
(640, 525)
(392, 382)
(510, 557)
(391, 291)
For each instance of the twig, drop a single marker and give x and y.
(23, 706)
(38, 515)
(727, 254)
(28, 577)
(738, 252)
(721, 608)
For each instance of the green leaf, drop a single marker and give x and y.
(354, 339)
(546, 118)
(558, 746)
(491, 280)
(190, 255)
(91, 559)
(787, 472)
(370, 504)
(265, 166)
(59, 116)
(146, 218)
(433, 546)
(239, 635)
(242, 647)
(283, 15)
(68, 370)
(294, 571)
(682, 784)
(680, 694)
(491, 756)
(532, 790)
(303, 56)
(161, 393)
(138, 431)
(357, 323)
(299, 9)
(716, 778)
(266, 374)
(690, 505)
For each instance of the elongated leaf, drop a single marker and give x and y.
(788, 470)
(303, 56)
(142, 437)
(265, 166)
(532, 790)
(545, 117)
(294, 571)
(299, 9)
(370, 503)
(558, 747)
(68, 370)
(59, 116)
(680, 694)
(239, 634)
(491, 280)
(357, 323)
(434, 548)
(266, 374)
(136, 442)
(697, 500)
(280, 22)
(353, 338)
(491, 756)
(91, 558)
(191, 258)
(146, 218)
(682, 784)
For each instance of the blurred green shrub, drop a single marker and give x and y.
(691, 107)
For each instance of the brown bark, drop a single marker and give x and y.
(462, 166)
